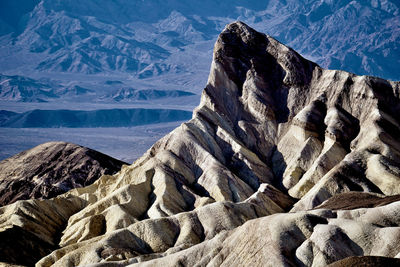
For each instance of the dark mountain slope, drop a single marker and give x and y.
(51, 169)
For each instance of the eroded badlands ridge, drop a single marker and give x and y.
(51, 169)
(273, 133)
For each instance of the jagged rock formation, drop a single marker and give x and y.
(313, 238)
(51, 169)
(30, 229)
(272, 129)
(356, 200)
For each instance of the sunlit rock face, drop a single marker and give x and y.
(273, 133)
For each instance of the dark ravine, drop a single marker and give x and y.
(273, 133)
(21, 246)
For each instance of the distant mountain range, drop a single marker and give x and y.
(170, 42)
(93, 118)
(130, 94)
(24, 89)
(20, 88)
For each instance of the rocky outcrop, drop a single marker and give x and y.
(31, 229)
(356, 200)
(312, 238)
(124, 239)
(273, 133)
(372, 261)
(51, 169)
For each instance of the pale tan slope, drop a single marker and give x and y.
(268, 121)
(167, 234)
(304, 238)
